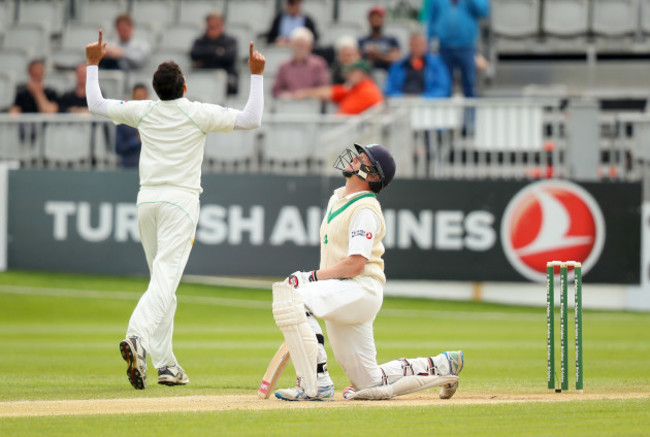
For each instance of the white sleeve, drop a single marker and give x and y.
(251, 116)
(363, 230)
(96, 103)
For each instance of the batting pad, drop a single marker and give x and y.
(289, 315)
(403, 386)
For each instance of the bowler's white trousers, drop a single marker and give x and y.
(167, 218)
(349, 308)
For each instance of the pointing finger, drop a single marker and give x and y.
(251, 49)
(99, 41)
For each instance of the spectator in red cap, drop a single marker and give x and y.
(381, 50)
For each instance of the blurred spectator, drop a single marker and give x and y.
(127, 53)
(216, 49)
(75, 100)
(454, 23)
(34, 96)
(347, 53)
(303, 69)
(127, 138)
(382, 50)
(289, 20)
(420, 73)
(355, 96)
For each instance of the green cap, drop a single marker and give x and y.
(361, 64)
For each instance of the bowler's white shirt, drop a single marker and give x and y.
(173, 137)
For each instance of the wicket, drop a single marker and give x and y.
(564, 323)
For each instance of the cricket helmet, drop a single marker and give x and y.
(382, 162)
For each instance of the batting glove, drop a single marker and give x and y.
(298, 279)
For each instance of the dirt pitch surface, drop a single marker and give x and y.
(252, 402)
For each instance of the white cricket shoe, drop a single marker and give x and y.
(449, 363)
(172, 375)
(297, 393)
(136, 359)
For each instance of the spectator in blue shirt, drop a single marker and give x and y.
(454, 23)
(289, 20)
(380, 49)
(420, 73)
(127, 138)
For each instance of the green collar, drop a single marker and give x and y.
(332, 214)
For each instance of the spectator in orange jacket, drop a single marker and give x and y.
(358, 94)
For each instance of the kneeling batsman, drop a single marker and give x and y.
(347, 292)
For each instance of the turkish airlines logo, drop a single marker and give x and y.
(548, 221)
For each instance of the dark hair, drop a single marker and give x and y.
(168, 81)
(123, 17)
(35, 62)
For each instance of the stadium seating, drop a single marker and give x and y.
(256, 13)
(357, 10)
(11, 147)
(7, 89)
(645, 16)
(614, 17)
(338, 29)
(67, 145)
(236, 152)
(103, 146)
(207, 86)
(576, 45)
(31, 37)
(50, 14)
(181, 57)
(195, 11)
(100, 12)
(244, 34)
(287, 149)
(67, 54)
(61, 82)
(515, 18)
(16, 61)
(179, 37)
(306, 106)
(157, 13)
(322, 12)
(113, 84)
(275, 56)
(566, 17)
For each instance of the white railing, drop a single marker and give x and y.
(485, 138)
(441, 138)
(58, 141)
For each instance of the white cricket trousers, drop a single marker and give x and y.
(349, 308)
(167, 219)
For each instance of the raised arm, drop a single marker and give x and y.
(94, 53)
(251, 116)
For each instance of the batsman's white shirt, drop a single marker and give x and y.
(173, 137)
(349, 306)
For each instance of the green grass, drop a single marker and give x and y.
(64, 345)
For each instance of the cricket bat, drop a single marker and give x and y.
(274, 372)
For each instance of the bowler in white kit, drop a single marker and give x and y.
(347, 292)
(172, 131)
